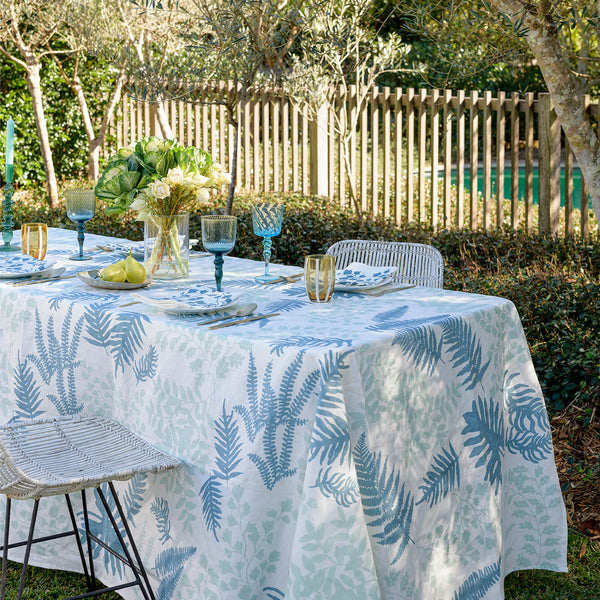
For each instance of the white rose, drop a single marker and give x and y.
(160, 189)
(202, 195)
(174, 176)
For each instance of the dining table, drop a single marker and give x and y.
(384, 447)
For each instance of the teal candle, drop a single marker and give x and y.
(10, 139)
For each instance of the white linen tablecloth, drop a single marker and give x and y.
(392, 447)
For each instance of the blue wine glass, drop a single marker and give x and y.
(218, 238)
(266, 221)
(81, 206)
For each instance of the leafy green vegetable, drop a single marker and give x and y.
(130, 171)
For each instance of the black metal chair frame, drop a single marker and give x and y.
(136, 566)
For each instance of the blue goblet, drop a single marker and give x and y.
(81, 206)
(266, 221)
(218, 238)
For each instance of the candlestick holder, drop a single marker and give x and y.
(7, 220)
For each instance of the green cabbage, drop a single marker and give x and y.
(129, 172)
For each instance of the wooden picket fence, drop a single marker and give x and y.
(401, 138)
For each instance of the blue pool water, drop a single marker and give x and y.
(507, 184)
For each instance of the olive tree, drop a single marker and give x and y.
(560, 36)
(241, 41)
(340, 47)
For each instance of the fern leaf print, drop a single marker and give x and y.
(145, 368)
(442, 477)
(211, 495)
(134, 495)
(478, 583)
(228, 445)
(341, 487)
(127, 337)
(27, 393)
(169, 566)
(466, 351)
(422, 346)
(160, 510)
(383, 498)
(529, 431)
(485, 428)
(275, 415)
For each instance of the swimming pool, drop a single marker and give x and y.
(507, 183)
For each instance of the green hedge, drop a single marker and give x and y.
(553, 282)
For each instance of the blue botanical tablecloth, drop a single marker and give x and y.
(392, 447)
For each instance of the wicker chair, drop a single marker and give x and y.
(67, 454)
(418, 264)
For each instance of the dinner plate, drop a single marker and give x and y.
(359, 277)
(91, 278)
(15, 266)
(191, 301)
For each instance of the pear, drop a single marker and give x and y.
(136, 272)
(114, 272)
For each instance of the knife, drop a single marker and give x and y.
(387, 290)
(248, 320)
(286, 279)
(44, 280)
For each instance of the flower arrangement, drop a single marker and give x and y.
(158, 177)
(161, 180)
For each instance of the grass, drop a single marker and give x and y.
(553, 282)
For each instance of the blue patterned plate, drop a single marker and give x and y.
(14, 266)
(358, 277)
(191, 301)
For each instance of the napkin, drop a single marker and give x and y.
(361, 276)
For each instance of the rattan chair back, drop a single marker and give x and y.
(418, 264)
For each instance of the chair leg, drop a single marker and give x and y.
(78, 540)
(141, 567)
(28, 548)
(86, 522)
(5, 549)
(136, 569)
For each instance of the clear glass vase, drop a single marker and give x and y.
(166, 246)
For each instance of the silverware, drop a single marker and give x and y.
(287, 279)
(45, 279)
(248, 320)
(242, 311)
(387, 290)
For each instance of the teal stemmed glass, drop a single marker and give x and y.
(266, 221)
(218, 238)
(81, 206)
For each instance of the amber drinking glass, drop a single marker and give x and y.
(319, 276)
(34, 239)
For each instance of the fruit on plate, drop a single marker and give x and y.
(127, 270)
(136, 272)
(114, 272)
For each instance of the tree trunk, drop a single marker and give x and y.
(569, 105)
(95, 141)
(163, 122)
(35, 89)
(238, 126)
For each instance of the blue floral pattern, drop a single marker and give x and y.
(326, 451)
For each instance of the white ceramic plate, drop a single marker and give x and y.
(358, 277)
(13, 266)
(192, 301)
(91, 278)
